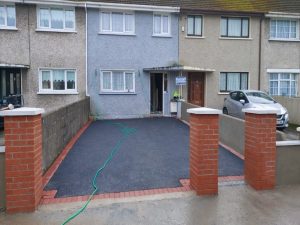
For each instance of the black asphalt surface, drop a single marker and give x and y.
(155, 156)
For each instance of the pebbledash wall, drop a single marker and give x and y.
(44, 49)
(134, 52)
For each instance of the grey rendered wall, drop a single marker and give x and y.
(41, 50)
(54, 50)
(232, 132)
(223, 55)
(278, 55)
(184, 107)
(127, 52)
(14, 45)
(2, 181)
(288, 165)
(292, 105)
(60, 126)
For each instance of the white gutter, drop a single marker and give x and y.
(103, 5)
(86, 51)
(282, 15)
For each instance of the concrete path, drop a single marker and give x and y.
(238, 205)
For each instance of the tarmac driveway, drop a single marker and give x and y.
(156, 155)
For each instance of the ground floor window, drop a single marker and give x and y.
(53, 81)
(284, 84)
(232, 81)
(117, 81)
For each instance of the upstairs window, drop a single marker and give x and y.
(117, 81)
(161, 25)
(54, 18)
(233, 81)
(284, 29)
(117, 22)
(194, 25)
(235, 27)
(7, 16)
(57, 81)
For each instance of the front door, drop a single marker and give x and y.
(156, 93)
(10, 82)
(196, 88)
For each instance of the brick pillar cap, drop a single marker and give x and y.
(23, 111)
(261, 111)
(298, 129)
(204, 111)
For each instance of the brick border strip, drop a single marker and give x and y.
(48, 196)
(50, 172)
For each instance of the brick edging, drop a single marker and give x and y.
(52, 169)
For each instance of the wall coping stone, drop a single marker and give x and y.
(261, 111)
(204, 111)
(23, 111)
(287, 143)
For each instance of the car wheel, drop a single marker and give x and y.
(225, 111)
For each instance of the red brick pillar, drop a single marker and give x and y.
(23, 158)
(260, 148)
(204, 145)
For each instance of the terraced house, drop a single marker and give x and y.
(126, 55)
(42, 52)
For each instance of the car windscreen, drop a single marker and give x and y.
(259, 97)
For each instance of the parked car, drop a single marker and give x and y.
(239, 100)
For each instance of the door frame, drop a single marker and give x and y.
(163, 88)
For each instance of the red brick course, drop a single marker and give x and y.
(204, 141)
(260, 150)
(23, 162)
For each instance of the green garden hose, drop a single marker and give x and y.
(126, 132)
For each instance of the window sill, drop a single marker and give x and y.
(235, 38)
(223, 93)
(9, 28)
(58, 93)
(55, 31)
(117, 34)
(194, 37)
(161, 36)
(117, 93)
(283, 39)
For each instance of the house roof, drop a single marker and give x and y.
(247, 6)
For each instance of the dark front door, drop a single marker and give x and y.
(156, 89)
(10, 82)
(196, 88)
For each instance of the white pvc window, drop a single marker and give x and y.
(7, 16)
(284, 29)
(117, 22)
(55, 18)
(161, 24)
(284, 84)
(60, 81)
(117, 81)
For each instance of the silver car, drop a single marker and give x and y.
(239, 100)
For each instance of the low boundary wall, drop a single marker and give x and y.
(60, 126)
(292, 105)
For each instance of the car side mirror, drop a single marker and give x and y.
(242, 101)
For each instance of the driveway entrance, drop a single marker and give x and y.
(155, 156)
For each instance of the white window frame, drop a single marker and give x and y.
(64, 29)
(51, 90)
(162, 34)
(5, 26)
(281, 79)
(124, 91)
(124, 32)
(276, 33)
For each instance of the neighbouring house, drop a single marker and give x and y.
(42, 52)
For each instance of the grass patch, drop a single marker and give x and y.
(293, 126)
